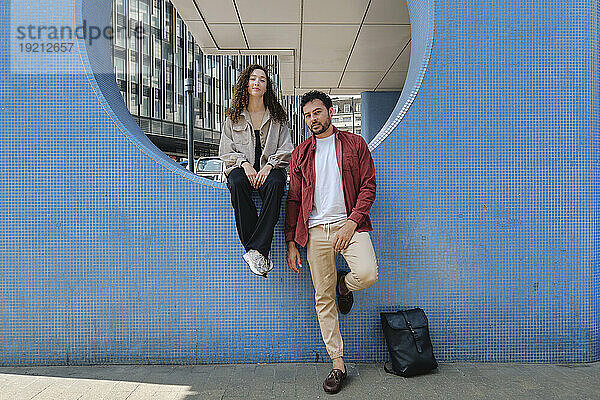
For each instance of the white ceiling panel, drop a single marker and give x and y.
(403, 61)
(394, 80)
(319, 79)
(334, 11)
(301, 91)
(222, 52)
(187, 9)
(214, 12)
(286, 70)
(287, 58)
(269, 52)
(372, 49)
(330, 54)
(228, 36)
(260, 36)
(200, 34)
(366, 80)
(346, 92)
(387, 12)
(314, 49)
(287, 87)
(268, 11)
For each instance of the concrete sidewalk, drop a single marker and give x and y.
(461, 381)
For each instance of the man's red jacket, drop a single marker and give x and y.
(358, 183)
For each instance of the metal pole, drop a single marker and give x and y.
(189, 120)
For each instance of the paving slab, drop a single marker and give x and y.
(459, 381)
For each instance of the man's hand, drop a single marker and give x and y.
(250, 173)
(341, 239)
(293, 257)
(261, 177)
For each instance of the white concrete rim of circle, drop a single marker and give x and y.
(423, 24)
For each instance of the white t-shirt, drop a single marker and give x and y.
(328, 200)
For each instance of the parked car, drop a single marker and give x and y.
(210, 168)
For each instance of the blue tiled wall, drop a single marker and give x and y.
(486, 211)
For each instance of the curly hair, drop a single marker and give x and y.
(316, 95)
(241, 97)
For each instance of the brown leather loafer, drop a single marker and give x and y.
(333, 382)
(345, 301)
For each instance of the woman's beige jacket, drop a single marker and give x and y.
(238, 142)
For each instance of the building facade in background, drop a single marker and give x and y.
(346, 113)
(153, 53)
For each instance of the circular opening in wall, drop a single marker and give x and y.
(141, 71)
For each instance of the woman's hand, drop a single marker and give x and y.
(261, 177)
(250, 173)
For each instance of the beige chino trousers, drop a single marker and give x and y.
(360, 257)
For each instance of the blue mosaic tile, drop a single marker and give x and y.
(485, 216)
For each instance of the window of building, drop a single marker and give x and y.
(144, 13)
(357, 107)
(157, 72)
(121, 73)
(168, 22)
(133, 11)
(169, 101)
(156, 13)
(120, 6)
(134, 81)
(120, 70)
(121, 34)
(157, 110)
(346, 108)
(146, 67)
(198, 113)
(336, 109)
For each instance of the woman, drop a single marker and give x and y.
(256, 148)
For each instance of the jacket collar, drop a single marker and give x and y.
(241, 124)
(313, 138)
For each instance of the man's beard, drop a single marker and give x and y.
(325, 127)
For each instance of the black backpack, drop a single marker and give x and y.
(407, 337)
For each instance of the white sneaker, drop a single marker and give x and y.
(256, 262)
(269, 264)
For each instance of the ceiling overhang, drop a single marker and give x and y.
(338, 46)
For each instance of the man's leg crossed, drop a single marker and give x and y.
(362, 262)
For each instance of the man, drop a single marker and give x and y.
(331, 190)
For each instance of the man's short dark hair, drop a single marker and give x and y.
(314, 95)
